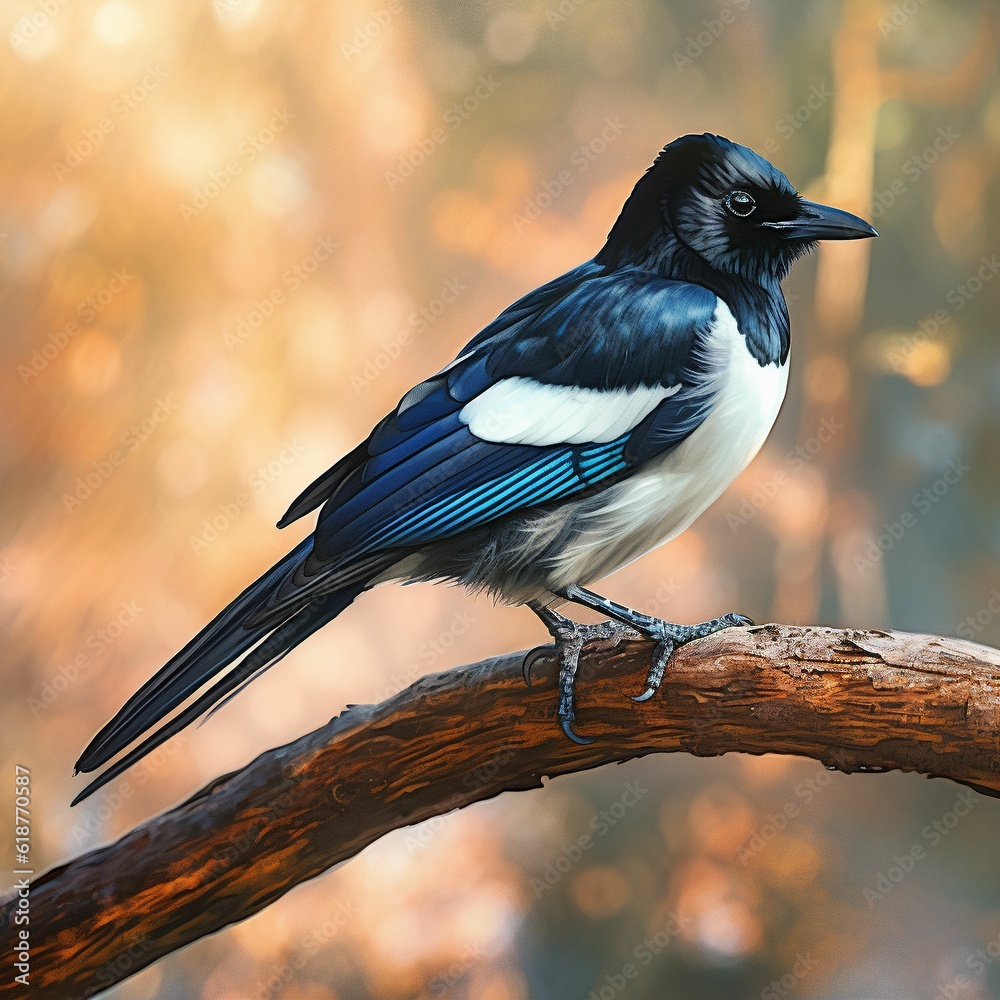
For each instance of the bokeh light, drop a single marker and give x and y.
(234, 232)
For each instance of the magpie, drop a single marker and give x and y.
(592, 420)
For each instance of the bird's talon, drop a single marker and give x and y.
(567, 726)
(657, 665)
(532, 657)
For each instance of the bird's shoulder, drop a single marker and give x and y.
(597, 328)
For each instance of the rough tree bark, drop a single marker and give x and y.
(855, 700)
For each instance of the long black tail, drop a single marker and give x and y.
(225, 638)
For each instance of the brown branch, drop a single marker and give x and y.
(854, 700)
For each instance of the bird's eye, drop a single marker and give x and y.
(740, 203)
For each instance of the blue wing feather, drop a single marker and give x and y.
(427, 476)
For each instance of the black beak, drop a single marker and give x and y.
(821, 222)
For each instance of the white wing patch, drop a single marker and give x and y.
(522, 411)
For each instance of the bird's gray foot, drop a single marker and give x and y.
(666, 635)
(669, 637)
(569, 638)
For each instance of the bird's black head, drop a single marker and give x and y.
(728, 207)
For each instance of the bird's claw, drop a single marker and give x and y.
(567, 728)
(657, 665)
(570, 638)
(547, 652)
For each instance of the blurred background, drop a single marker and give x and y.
(234, 232)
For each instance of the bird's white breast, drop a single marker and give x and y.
(662, 499)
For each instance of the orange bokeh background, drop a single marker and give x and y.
(234, 232)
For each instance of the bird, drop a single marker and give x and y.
(594, 419)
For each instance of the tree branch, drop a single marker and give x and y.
(854, 700)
